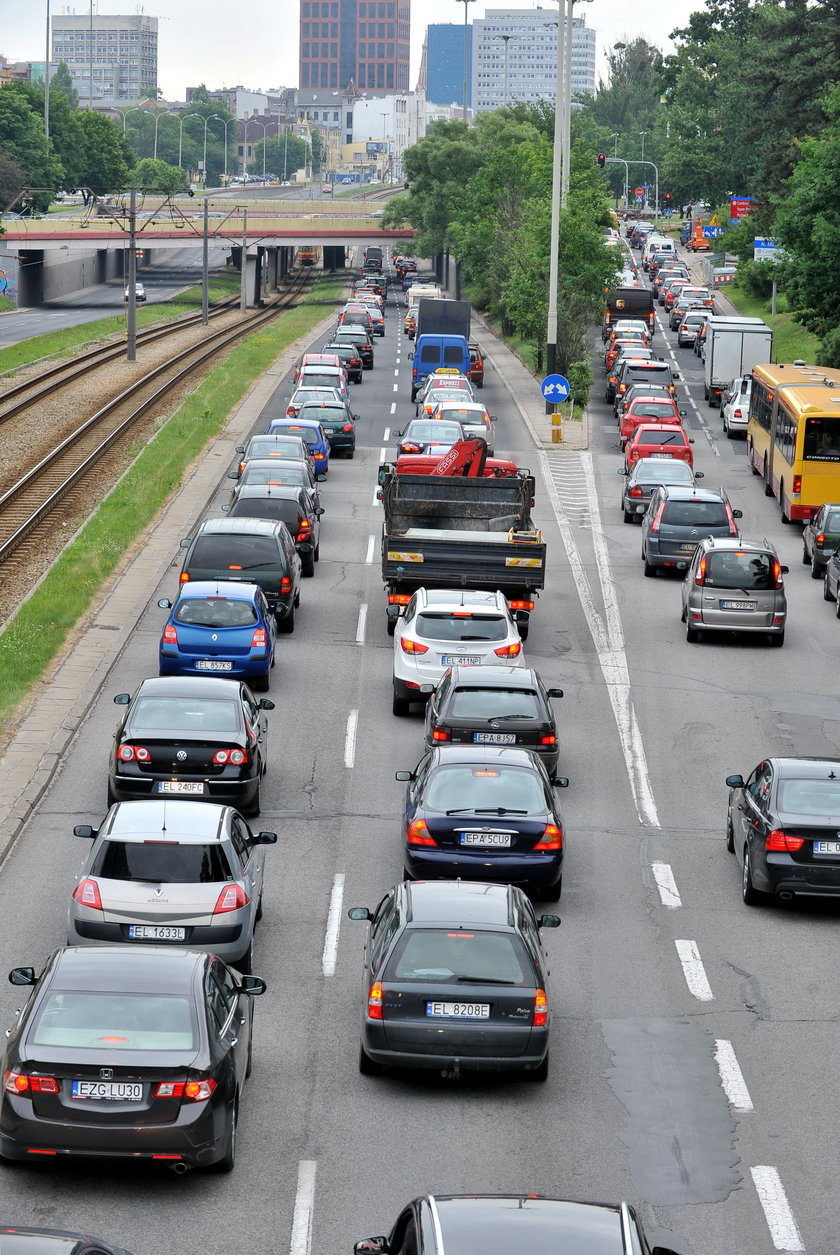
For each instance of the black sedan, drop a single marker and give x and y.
(350, 360)
(498, 1224)
(482, 813)
(196, 736)
(24, 1240)
(294, 506)
(478, 705)
(123, 1053)
(783, 822)
(455, 979)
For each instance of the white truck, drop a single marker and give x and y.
(732, 347)
(422, 292)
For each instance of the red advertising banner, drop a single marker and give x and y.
(739, 207)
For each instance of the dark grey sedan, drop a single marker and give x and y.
(644, 477)
(820, 538)
(677, 519)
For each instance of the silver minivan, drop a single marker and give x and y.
(735, 585)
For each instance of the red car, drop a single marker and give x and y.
(316, 359)
(648, 410)
(658, 440)
(618, 344)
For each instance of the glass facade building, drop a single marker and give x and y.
(365, 42)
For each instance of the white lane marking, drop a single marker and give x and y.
(370, 547)
(396, 387)
(375, 501)
(360, 626)
(666, 884)
(350, 738)
(399, 359)
(301, 1242)
(607, 633)
(780, 1219)
(731, 1076)
(386, 435)
(328, 959)
(396, 372)
(393, 410)
(382, 454)
(694, 971)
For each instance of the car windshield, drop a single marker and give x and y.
(461, 625)
(436, 432)
(113, 1022)
(493, 787)
(162, 862)
(184, 714)
(491, 703)
(695, 514)
(235, 551)
(740, 570)
(215, 612)
(459, 955)
(809, 797)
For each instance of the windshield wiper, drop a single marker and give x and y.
(497, 810)
(522, 715)
(483, 980)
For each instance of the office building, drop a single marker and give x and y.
(360, 42)
(515, 57)
(443, 63)
(121, 60)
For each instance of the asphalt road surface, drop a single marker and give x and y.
(693, 1040)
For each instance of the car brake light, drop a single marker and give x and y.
(509, 651)
(521, 605)
(184, 577)
(87, 894)
(285, 584)
(131, 753)
(259, 639)
(654, 527)
(700, 577)
(440, 734)
(15, 1082)
(412, 647)
(540, 1018)
(399, 599)
(232, 898)
(235, 757)
(194, 1091)
(552, 838)
(778, 582)
(780, 840)
(375, 1001)
(550, 738)
(635, 492)
(418, 833)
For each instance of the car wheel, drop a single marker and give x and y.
(245, 964)
(753, 466)
(827, 593)
(537, 1074)
(307, 568)
(777, 639)
(749, 893)
(400, 705)
(650, 571)
(110, 796)
(391, 626)
(254, 808)
(837, 609)
(629, 516)
(730, 835)
(691, 634)
(768, 487)
(287, 623)
(682, 615)
(805, 556)
(249, 1062)
(228, 1159)
(524, 629)
(351, 453)
(259, 683)
(259, 912)
(552, 892)
(367, 1067)
(318, 552)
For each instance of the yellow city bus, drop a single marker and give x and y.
(793, 435)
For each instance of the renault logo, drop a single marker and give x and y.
(105, 1074)
(181, 756)
(214, 637)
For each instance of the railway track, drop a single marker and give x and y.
(26, 506)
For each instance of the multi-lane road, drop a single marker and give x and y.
(693, 1037)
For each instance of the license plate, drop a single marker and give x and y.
(494, 738)
(500, 840)
(213, 665)
(737, 605)
(661, 455)
(687, 548)
(459, 1010)
(827, 847)
(453, 660)
(117, 1091)
(180, 786)
(156, 932)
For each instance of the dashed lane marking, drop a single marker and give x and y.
(731, 1077)
(370, 548)
(694, 971)
(328, 958)
(784, 1230)
(667, 885)
(350, 738)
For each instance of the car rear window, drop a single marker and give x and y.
(659, 437)
(462, 626)
(452, 355)
(321, 378)
(287, 473)
(114, 1021)
(809, 797)
(695, 514)
(460, 955)
(236, 552)
(471, 788)
(489, 703)
(215, 612)
(650, 409)
(326, 414)
(184, 714)
(740, 570)
(437, 431)
(273, 447)
(163, 862)
(645, 370)
(275, 508)
(662, 471)
(430, 353)
(831, 523)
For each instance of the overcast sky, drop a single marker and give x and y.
(256, 44)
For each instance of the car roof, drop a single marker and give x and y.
(273, 463)
(277, 435)
(806, 768)
(497, 755)
(198, 686)
(643, 427)
(737, 544)
(446, 599)
(245, 527)
(680, 492)
(293, 422)
(218, 588)
(442, 901)
(124, 969)
(179, 819)
(497, 1225)
(495, 677)
(286, 492)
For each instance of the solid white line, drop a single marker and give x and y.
(330, 954)
(731, 1076)
(393, 410)
(370, 547)
(666, 884)
(301, 1242)
(780, 1220)
(350, 738)
(694, 971)
(360, 626)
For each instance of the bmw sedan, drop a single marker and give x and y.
(484, 814)
(783, 823)
(192, 736)
(219, 627)
(128, 1054)
(456, 979)
(175, 872)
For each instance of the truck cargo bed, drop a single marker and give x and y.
(461, 558)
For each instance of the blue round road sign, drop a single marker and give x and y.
(555, 388)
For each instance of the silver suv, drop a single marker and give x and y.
(735, 585)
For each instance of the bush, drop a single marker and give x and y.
(756, 278)
(829, 350)
(580, 382)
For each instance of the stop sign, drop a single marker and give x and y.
(640, 191)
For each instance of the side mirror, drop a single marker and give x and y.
(185, 543)
(234, 474)
(266, 703)
(560, 782)
(265, 838)
(682, 413)
(22, 976)
(699, 475)
(494, 418)
(674, 375)
(240, 448)
(690, 440)
(737, 514)
(411, 357)
(165, 603)
(84, 830)
(735, 782)
(359, 912)
(396, 435)
(785, 570)
(319, 510)
(622, 471)
(226, 507)
(393, 612)
(252, 986)
(403, 775)
(548, 921)
(555, 692)
(122, 699)
(371, 1246)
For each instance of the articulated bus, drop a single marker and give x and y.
(793, 436)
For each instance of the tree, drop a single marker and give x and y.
(61, 84)
(22, 139)
(283, 155)
(105, 159)
(159, 176)
(12, 181)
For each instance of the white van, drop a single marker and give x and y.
(656, 244)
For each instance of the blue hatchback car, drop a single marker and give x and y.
(312, 434)
(218, 627)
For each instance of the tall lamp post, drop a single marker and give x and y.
(47, 77)
(183, 119)
(466, 4)
(166, 113)
(567, 108)
(126, 112)
(225, 123)
(206, 120)
(265, 126)
(507, 39)
(557, 152)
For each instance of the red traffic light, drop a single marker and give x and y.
(602, 159)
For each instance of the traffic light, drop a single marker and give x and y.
(667, 198)
(405, 185)
(602, 159)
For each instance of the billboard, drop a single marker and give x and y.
(376, 146)
(739, 207)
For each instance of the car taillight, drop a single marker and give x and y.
(654, 527)
(291, 412)
(133, 753)
(412, 647)
(819, 540)
(375, 1001)
(684, 326)
(235, 757)
(86, 893)
(232, 898)
(170, 636)
(318, 457)
(780, 840)
(410, 448)
(797, 485)
(184, 577)
(285, 585)
(259, 640)
(737, 413)
(399, 599)
(540, 1017)
(15, 1082)
(521, 605)
(193, 1091)
(635, 492)
(440, 734)
(418, 833)
(700, 577)
(509, 651)
(549, 738)
(778, 582)
(552, 838)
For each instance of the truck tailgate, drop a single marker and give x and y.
(462, 559)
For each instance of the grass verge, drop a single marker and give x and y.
(35, 635)
(790, 340)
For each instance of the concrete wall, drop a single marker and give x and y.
(47, 276)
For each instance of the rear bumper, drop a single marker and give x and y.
(228, 943)
(533, 871)
(237, 793)
(535, 1041)
(242, 668)
(780, 874)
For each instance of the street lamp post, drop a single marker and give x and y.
(265, 126)
(225, 123)
(551, 330)
(567, 108)
(166, 113)
(616, 137)
(286, 155)
(126, 112)
(466, 4)
(206, 120)
(507, 39)
(182, 120)
(47, 77)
